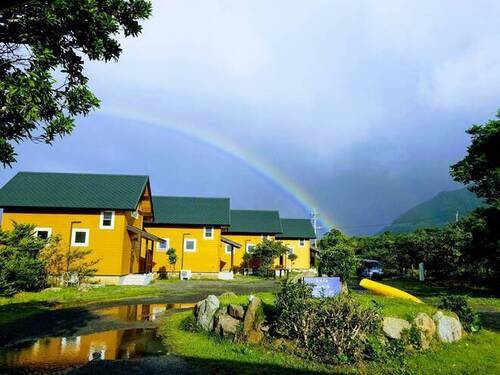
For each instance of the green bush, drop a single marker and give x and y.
(21, 268)
(337, 261)
(459, 305)
(332, 330)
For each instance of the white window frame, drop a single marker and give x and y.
(291, 250)
(249, 245)
(226, 247)
(205, 237)
(302, 242)
(189, 250)
(73, 235)
(159, 249)
(101, 219)
(42, 229)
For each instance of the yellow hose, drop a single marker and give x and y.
(386, 290)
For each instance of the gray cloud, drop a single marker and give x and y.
(362, 104)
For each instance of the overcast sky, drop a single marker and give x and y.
(360, 105)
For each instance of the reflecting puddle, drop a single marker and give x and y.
(63, 352)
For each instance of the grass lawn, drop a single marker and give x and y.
(475, 354)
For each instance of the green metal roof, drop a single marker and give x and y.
(191, 210)
(296, 228)
(73, 190)
(253, 221)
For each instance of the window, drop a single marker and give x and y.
(290, 250)
(208, 233)
(80, 237)
(302, 242)
(249, 247)
(163, 246)
(228, 249)
(43, 233)
(73, 342)
(190, 244)
(107, 220)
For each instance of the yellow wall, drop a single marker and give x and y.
(303, 253)
(112, 246)
(243, 240)
(204, 259)
(302, 261)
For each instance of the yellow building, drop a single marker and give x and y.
(297, 235)
(102, 213)
(248, 228)
(130, 232)
(191, 226)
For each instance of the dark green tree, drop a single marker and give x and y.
(21, 268)
(43, 46)
(481, 165)
(172, 257)
(481, 169)
(334, 238)
(338, 261)
(265, 253)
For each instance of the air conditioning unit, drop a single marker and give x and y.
(186, 274)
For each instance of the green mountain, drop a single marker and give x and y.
(436, 212)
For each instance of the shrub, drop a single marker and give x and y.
(21, 269)
(72, 265)
(459, 305)
(265, 253)
(335, 330)
(172, 257)
(337, 261)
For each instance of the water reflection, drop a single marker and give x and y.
(63, 352)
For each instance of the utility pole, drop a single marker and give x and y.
(316, 226)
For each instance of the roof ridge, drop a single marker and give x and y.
(84, 174)
(187, 196)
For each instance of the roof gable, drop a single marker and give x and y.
(255, 221)
(191, 210)
(73, 190)
(296, 228)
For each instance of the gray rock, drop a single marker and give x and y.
(393, 327)
(426, 325)
(236, 311)
(205, 311)
(226, 325)
(449, 329)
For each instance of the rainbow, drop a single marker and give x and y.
(253, 161)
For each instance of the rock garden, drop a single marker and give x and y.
(332, 331)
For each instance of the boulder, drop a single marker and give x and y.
(236, 311)
(254, 316)
(426, 325)
(448, 328)
(228, 295)
(205, 311)
(226, 325)
(393, 327)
